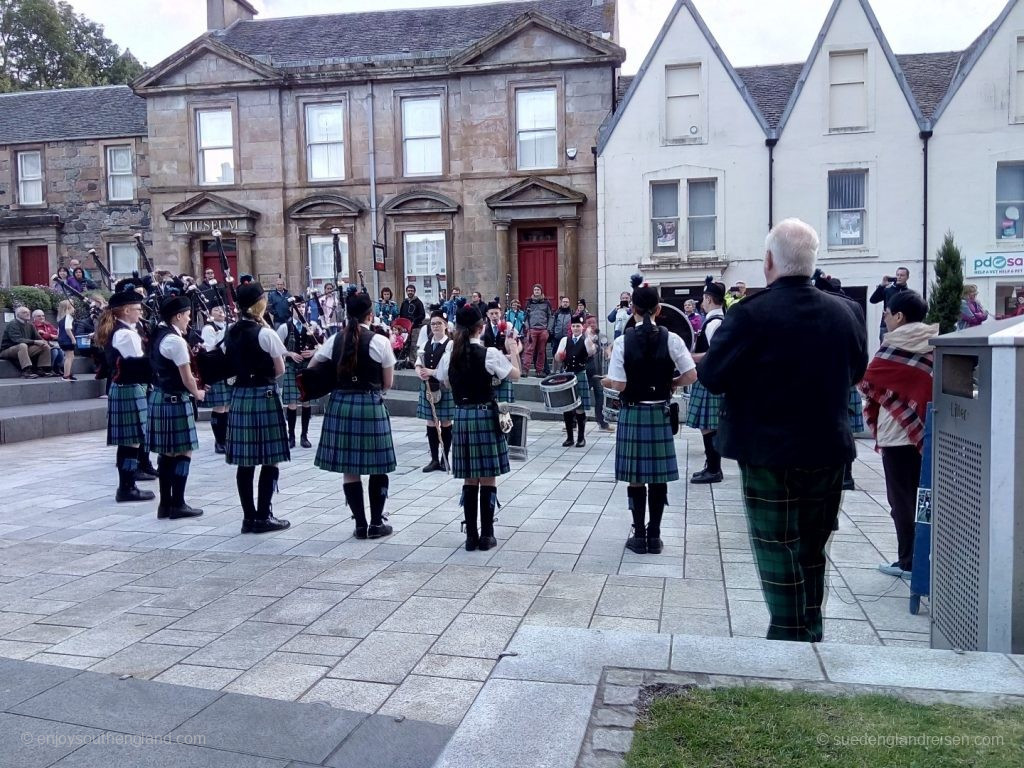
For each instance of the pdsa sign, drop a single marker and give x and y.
(995, 265)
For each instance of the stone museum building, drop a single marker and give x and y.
(449, 146)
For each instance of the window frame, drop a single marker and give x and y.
(1017, 74)
(423, 229)
(703, 216)
(867, 86)
(116, 244)
(514, 88)
(402, 99)
(829, 210)
(998, 238)
(194, 108)
(326, 238)
(674, 249)
(701, 137)
(19, 180)
(109, 174)
(307, 143)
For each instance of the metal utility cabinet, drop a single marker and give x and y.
(977, 600)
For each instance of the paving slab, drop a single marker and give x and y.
(160, 755)
(384, 657)
(745, 656)
(382, 742)
(20, 681)
(28, 742)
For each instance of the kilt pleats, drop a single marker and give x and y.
(505, 392)
(127, 414)
(704, 408)
(172, 425)
(645, 451)
(583, 389)
(445, 409)
(856, 411)
(289, 384)
(217, 395)
(478, 448)
(356, 435)
(256, 428)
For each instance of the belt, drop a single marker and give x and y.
(478, 406)
(184, 397)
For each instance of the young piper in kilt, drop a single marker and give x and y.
(218, 396)
(299, 340)
(704, 406)
(495, 332)
(479, 450)
(256, 433)
(573, 353)
(429, 356)
(356, 436)
(127, 409)
(172, 426)
(644, 365)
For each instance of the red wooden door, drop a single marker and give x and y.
(35, 265)
(211, 258)
(538, 263)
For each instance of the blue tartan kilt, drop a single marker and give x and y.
(478, 448)
(505, 392)
(127, 414)
(583, 389)
(172, 425)
(217, 396)
(289, 385)
(856, 411)
(704, 408)
(256, 429)
(645, 451)
(445, 408)
(356, 435)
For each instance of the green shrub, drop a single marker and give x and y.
(5, 298)
(31, 297)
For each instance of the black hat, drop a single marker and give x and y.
(581, 301)
(715, 290)
(124, 295)
(493, 305)
(580, 319)
(172, 305)
(358, 305)
(468, 316)
(438, 313)
(248, 294)
(244, 279)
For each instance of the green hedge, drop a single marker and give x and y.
(32, 297)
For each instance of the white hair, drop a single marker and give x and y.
(38, 312)
(793, 245)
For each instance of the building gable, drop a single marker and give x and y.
(205, 62)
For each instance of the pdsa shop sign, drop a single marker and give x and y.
(995, 265)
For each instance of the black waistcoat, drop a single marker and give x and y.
(649, 369)
(252, 366)
(470, 381)
(126, 370)
(432, 357)
(369, 374)
(166, 375)
(703, 344)
(576, 354)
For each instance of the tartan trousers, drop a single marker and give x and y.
(791, 513)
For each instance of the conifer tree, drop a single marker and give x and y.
(948, 288)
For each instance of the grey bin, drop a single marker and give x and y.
(517, 437)
(977, 589)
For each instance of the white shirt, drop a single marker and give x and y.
(423, 349)
(127, 341)
(175, 348)
(380, 349)
(709, 331)
(69, 326)
(422, 338)
(282, 329)
(212, 335)
(496, 363)
(676, 349)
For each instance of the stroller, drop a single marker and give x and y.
(401, 342)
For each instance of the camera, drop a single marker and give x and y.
(623, 304)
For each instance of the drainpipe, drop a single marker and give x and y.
(373, 195)
(925, 135)
(770, 143)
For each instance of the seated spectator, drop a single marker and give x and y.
(62, 276)
(48, 333)
(21, 342)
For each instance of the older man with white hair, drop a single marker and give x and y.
(21, 342)
(785, 360)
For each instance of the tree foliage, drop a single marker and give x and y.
(948, 288)
(45, 44)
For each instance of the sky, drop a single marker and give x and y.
(749, 31)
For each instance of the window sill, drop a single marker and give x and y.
(1009, 244)
(684, 141)
(844, 131)
(849, 252)
(325, 182)
(29, 206)
(531, 170)
(122, 201)
(217, 185)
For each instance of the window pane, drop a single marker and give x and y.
(848, 106)
(321, 256)
(119, 159)
(702, 234)
(29, 165)
(683, 117)
(1008, 221)
(702, 198)
(421, 117)
(846, 190)
(215, 128)
(324, 122)
(682, 81)
(422, 156)
(425, 258)
(664, 234)
(846, 228)
(664, 200)
(30, 192)
(1010, 183)
(121, 188)
(536, 109)
(847, 67)
(124, 258)
(327, 161)
(218, 166)
(538, 149)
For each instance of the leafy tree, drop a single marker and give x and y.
(45, 44)
(947, 291)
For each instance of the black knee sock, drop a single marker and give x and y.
(714, 458)
(291, 421)
(181, 466)
(657, 498)
(581, 425)
(488, 501)
(306, 413)
(446, 438)
(127, 464)
(570, 421)
(220, 427)
(638, 508)
(433, 442)
(470, 500)
(268, 483)
(378, 495)
(165, 473)
(145, 463)
(243, 479)
(354, 498)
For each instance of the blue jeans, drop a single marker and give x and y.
(57, 359)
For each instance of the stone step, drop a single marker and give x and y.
(81, 365)
(14, 392)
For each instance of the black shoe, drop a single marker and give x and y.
(433, 466)
(247, 525)
(219, 448)
(637, 544)
(848, 484)
(142, 476)
(472, 542)
(134, 494)
(378, 531)
(268, 525)
(305, 442)
(360, 532)
(581, 442)
(569, 443)
(486, 542)
(705, 477)
(177, 513)
(654, 546)
(291, 441)
(699, 472)
(27, 374)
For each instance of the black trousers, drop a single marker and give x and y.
(902, 466)
(598, 391)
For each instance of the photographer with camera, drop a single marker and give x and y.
(889, 287)
(620, 315)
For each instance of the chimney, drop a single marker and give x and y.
(221, 14)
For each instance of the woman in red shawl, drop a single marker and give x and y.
(897, 389)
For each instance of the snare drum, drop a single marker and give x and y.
(612, 404)
(559, 391)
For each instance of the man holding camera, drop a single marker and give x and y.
(889, 287)
(620, 315)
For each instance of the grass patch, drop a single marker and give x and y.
(761, 727)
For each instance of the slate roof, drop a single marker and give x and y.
(770, 87)
(621, 87)
(302, 40)
(929, 76)
(75, 113)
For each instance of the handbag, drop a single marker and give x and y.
(433, 391)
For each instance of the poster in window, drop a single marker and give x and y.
(666, 234)
(850, 226)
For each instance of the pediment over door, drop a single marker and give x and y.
(419, 202)
(535, 197)
(324, 207)
(207, 211)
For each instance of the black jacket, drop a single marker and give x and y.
(785, 360)
(884, 293)
(412, 309)
(215, 295)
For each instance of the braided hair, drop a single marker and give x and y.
(357, 306)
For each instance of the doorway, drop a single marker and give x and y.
(538, 262)
(211, 258)
(35, 265)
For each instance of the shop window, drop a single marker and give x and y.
(425, 264)
(702, 218)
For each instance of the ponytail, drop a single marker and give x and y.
(348, 358)
(460, 345)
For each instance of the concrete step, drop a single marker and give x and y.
(19, 391)
(31, 422)
(81, 365)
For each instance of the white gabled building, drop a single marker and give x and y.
(881, 153)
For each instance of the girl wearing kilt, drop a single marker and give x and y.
(356, 435)
(443, 411)
(494, 336)
(127, 409)
(574, 351)
(300, 343)
(256, 432)
(704, 406)
(172, 425)
(644, 365)
(218, 396)
(479, 449)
